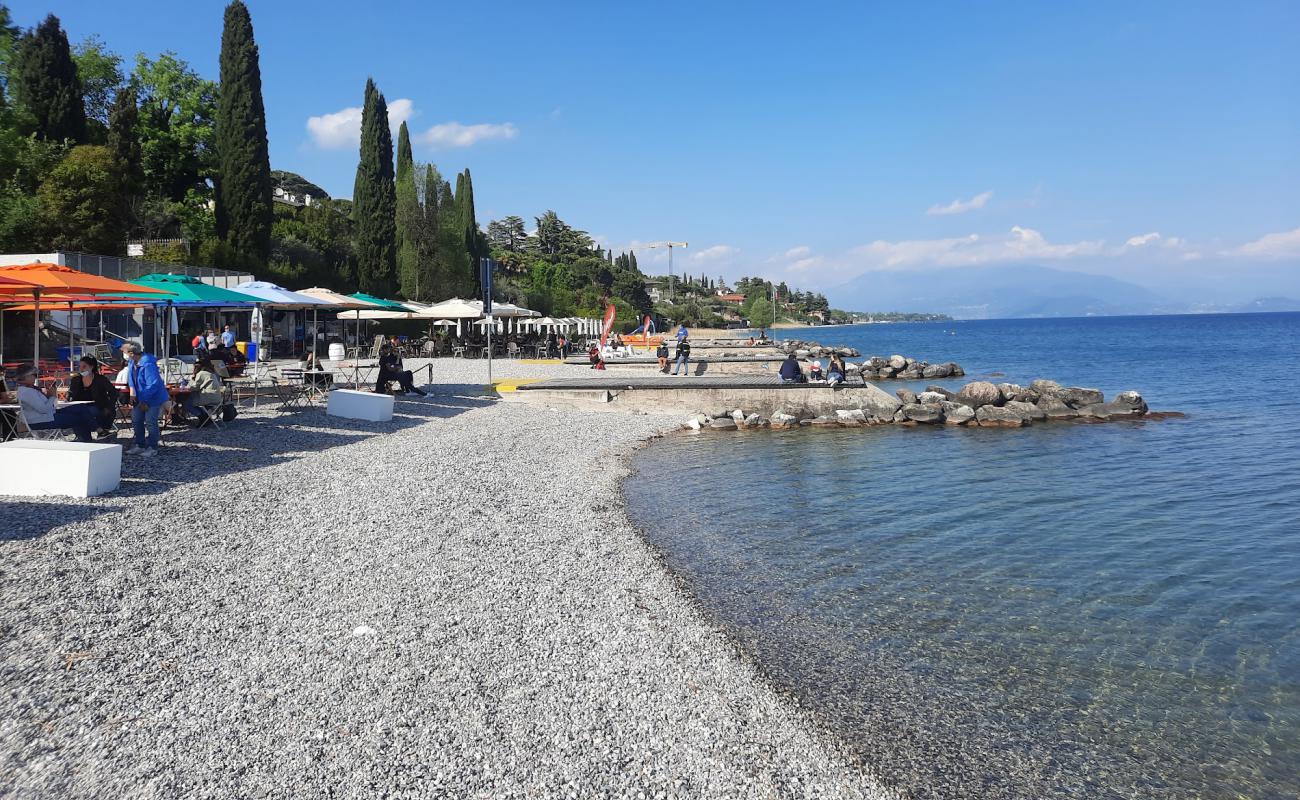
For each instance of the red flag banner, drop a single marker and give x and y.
(609, 324)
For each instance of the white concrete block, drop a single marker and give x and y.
(73, 469)
(360, 405)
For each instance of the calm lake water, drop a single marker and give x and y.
(1056, 611)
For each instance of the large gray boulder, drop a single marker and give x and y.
(954, 370)
(875, 401)
(990, 416)
(1132, 400)
(948, 395)
(1014, 391)
(723, 424)
(912, 373)
(936, 371)
(1045, 387)
(931, 397)
(1027, 410)
(886, 371)
(876, 362)
(906, 395)
(1055, 408)
(956, 413)
(1131, 405)
(898, 362)
(979, 393)
(1078, 397)
(929, 413)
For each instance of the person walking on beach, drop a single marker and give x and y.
(661, 353)
(149, 395)
(683, 358)
(790, 370)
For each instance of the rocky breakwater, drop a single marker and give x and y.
(804, 349)
(907, 369)
(977, 404)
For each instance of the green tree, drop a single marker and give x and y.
(177, 135)
(409, 218)
(472, 236)
(80, 203)
(124, 144)
(10, 35)
(507, 234)
(100, 71)
(243, 165)
(759, 312)
(452, 260)
(374, 200)
(47, 84)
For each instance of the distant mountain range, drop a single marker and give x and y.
(1021, 291)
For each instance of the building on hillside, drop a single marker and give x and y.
(731, 297)
(279, 195)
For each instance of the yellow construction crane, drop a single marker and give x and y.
(672, 295)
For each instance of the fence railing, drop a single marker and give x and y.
(127, 269)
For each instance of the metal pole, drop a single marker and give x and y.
(489, 349)
(672, 294)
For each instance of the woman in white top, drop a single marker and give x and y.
(40, 412)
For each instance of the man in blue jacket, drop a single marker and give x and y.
(148, 396)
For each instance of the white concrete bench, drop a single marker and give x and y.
(33, 468)
(360, 405)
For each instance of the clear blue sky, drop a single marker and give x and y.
(809, 142)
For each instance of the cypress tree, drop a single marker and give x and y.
(431, 285)
(124, 148)
(452, 261)
(374, 198)
(469, 228)
(409, 215)
(48, 86)
(243, 164)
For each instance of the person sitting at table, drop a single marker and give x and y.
(390, 369)
(89, 384)
(149, 395)
(205, 390)
(41, 413)
(309, 362)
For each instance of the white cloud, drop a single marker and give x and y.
(1143, 240)
(342, 128)
(454, 134)
(1274, 245)
(1020, 244)
(805, 264)
(798, 252)
(960, 206)
(717, 252)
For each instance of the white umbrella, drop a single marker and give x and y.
(442, 323)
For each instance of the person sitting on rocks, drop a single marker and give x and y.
(791, 372)
(815, 372)
(390, 369)
(836, 371)
(661, 353)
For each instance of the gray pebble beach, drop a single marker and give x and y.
(453, 604)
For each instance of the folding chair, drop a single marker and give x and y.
(24, 431)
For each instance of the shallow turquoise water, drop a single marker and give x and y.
(1062, 610)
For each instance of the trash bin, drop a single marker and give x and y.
(251, 352)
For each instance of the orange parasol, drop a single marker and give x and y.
(65, 284)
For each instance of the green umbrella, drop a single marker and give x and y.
(189, 291)
(392, 305)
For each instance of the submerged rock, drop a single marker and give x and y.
(723, 424)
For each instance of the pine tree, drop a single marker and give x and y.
(409, 215)
(374, 198)
(47, 84)
(243, 164)
(431, 284)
